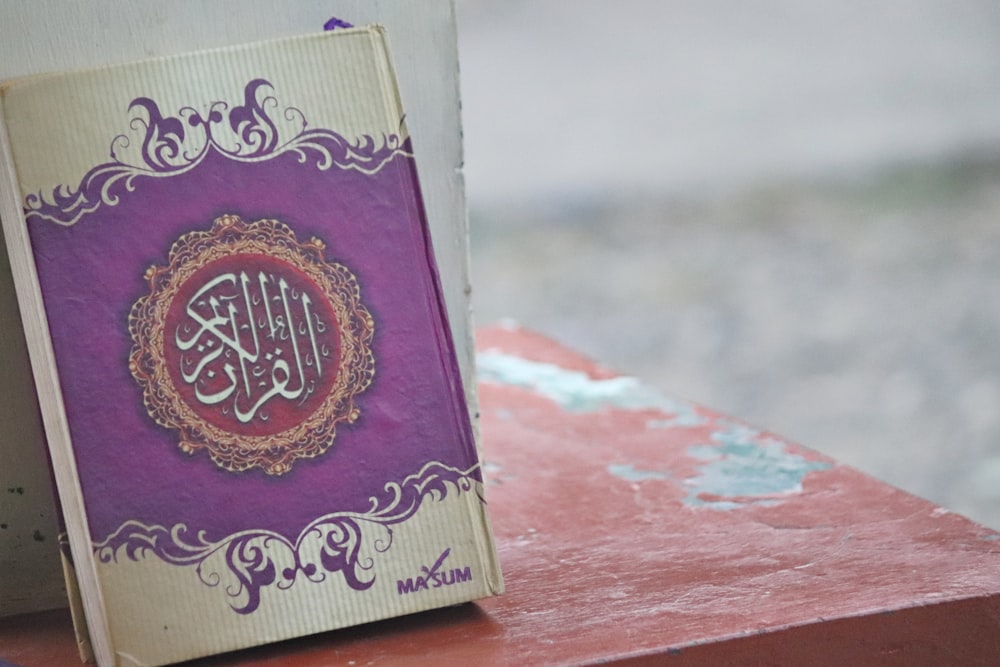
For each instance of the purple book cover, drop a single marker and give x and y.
(250, 339)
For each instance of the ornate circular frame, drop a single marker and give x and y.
(314, 434)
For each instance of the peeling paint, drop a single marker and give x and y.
(742, 467)
(491, 468)
(629, 473)
(578, 392)
(687, 418)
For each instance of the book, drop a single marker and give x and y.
(44, 36)
(254, 409)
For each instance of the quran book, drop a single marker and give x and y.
(44, 36)
(248, 383)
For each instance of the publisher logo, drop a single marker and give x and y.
(434, 577)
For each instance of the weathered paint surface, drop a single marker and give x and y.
(576, 391)
(742, 466)
(629, 473)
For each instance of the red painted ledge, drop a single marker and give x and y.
(638, 530)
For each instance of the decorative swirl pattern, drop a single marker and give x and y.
(244, 563)
(252, 132)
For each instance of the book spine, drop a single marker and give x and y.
(47, 384)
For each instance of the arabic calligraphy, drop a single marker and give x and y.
(251, 345)
(248, 338)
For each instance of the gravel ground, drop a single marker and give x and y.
(860, 319)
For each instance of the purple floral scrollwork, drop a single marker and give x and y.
(160, 146)
(245, 563)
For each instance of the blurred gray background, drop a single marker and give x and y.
(788, 211)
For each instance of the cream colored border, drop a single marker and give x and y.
(163, 612)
